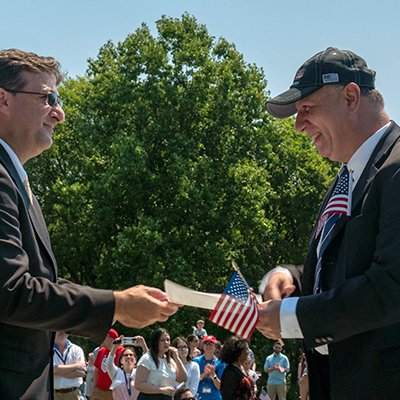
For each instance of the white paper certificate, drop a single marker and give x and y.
(182, 295)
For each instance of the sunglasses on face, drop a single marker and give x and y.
(52, 98)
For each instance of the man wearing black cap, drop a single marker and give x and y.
(347, 304)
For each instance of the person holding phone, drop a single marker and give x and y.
(159, 369)
(123, 375)
(101, 379)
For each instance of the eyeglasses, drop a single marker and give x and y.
(52, 98)
(182, 347)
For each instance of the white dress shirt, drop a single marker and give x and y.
(15, 160)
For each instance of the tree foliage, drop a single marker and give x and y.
(168, 166)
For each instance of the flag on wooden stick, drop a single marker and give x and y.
(236, 309)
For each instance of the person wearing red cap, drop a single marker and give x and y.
(211, 370)
(101, 379)
(346, 304)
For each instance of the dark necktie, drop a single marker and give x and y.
(339, 203)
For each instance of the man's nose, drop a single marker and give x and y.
(58, 114)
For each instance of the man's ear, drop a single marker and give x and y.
(352, 93)
(4, 101)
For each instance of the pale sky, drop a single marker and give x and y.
(276, 35)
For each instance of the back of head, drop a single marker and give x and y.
(14, 62)
(232, 349)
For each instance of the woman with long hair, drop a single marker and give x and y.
(123, 375)
(235, 383)
(159, 369)
(194, 344)
(192, 368)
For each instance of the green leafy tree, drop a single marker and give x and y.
(168, 166)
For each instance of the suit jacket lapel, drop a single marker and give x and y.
(39, 224)
(376, 160)
(34, 211)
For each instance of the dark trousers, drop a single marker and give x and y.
(144, 396)
(319, 377)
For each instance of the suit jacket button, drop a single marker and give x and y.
(324, 339)
(318, 340)
(330, 338)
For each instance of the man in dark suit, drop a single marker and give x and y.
(34, 302)
(346, 302)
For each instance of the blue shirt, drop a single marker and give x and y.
(207, 389)
(276, 377)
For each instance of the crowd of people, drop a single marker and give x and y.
(194, 367)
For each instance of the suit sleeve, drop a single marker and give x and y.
(367, 296)
(29, 295)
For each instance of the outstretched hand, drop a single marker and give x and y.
(140, 306)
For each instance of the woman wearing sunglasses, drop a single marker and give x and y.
(210, 371)
(123, 376)
(192, 368)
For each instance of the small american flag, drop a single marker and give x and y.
(339, 202)
(264, 395)
(236, 309)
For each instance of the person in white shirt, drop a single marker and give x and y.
(123, 375)
(192, 368)
(159, 369)
(69, 368)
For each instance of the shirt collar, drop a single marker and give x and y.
(67, 343)
(360, 158)
(15, 160)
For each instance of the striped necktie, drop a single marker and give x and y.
(28, 189)
(339, 203)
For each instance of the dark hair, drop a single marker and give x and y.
(154, 343)
(191, 337)
(179, 392)
(123, 352)
(14, 62)
(233, 348)
(182, 339)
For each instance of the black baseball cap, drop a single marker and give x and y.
(329, 67)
